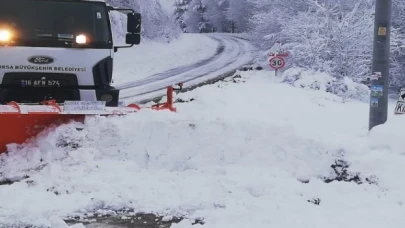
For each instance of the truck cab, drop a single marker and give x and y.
(59, 50)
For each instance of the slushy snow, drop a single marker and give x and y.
(256, 153)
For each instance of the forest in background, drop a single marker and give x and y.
(331, 36)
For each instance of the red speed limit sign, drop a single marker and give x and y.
(277, 63)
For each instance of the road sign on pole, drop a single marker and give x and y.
(277, 62)
(400, 107)
(379, 84)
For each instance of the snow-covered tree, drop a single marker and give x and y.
(239, 13)
(156, 23)
(194, 17)
(269, 18)
(330, 36)
(214, 14)
(180, 7)
(333, 39)
(397, 70)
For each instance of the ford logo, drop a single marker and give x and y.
(40, 60)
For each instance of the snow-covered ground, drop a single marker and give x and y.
(248, 154)
(149, 58)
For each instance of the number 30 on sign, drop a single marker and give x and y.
(277, 63)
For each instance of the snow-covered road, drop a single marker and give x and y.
(231, 53)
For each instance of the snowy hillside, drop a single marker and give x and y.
(250, 152)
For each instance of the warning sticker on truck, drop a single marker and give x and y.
(83, 106)
(42, 68)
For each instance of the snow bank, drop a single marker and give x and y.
(311, 79)
(256, 153)
(149, 58)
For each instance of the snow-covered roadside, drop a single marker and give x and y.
(249, 154)
(149, 58)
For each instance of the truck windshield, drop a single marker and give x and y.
(55, 23)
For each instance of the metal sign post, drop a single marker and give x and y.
(381, 51)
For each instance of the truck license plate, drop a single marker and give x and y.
(40, 83)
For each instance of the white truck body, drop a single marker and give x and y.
(43, 54)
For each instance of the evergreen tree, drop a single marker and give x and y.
(194, 17)
(215, 16)
(180, 7)
(239, 13)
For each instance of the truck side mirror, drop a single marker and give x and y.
(134, 22)
(134, 39)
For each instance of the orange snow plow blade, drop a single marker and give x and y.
(21, 122)
(17, 128)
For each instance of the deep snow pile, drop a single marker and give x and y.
(257, 153)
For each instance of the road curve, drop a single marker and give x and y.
(231, 54)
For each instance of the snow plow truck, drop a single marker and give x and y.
(56, 64)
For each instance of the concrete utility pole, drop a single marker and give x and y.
(381, 60)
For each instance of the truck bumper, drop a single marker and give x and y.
(36, 95)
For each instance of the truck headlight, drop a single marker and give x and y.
(81, 39)
(5, 35)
